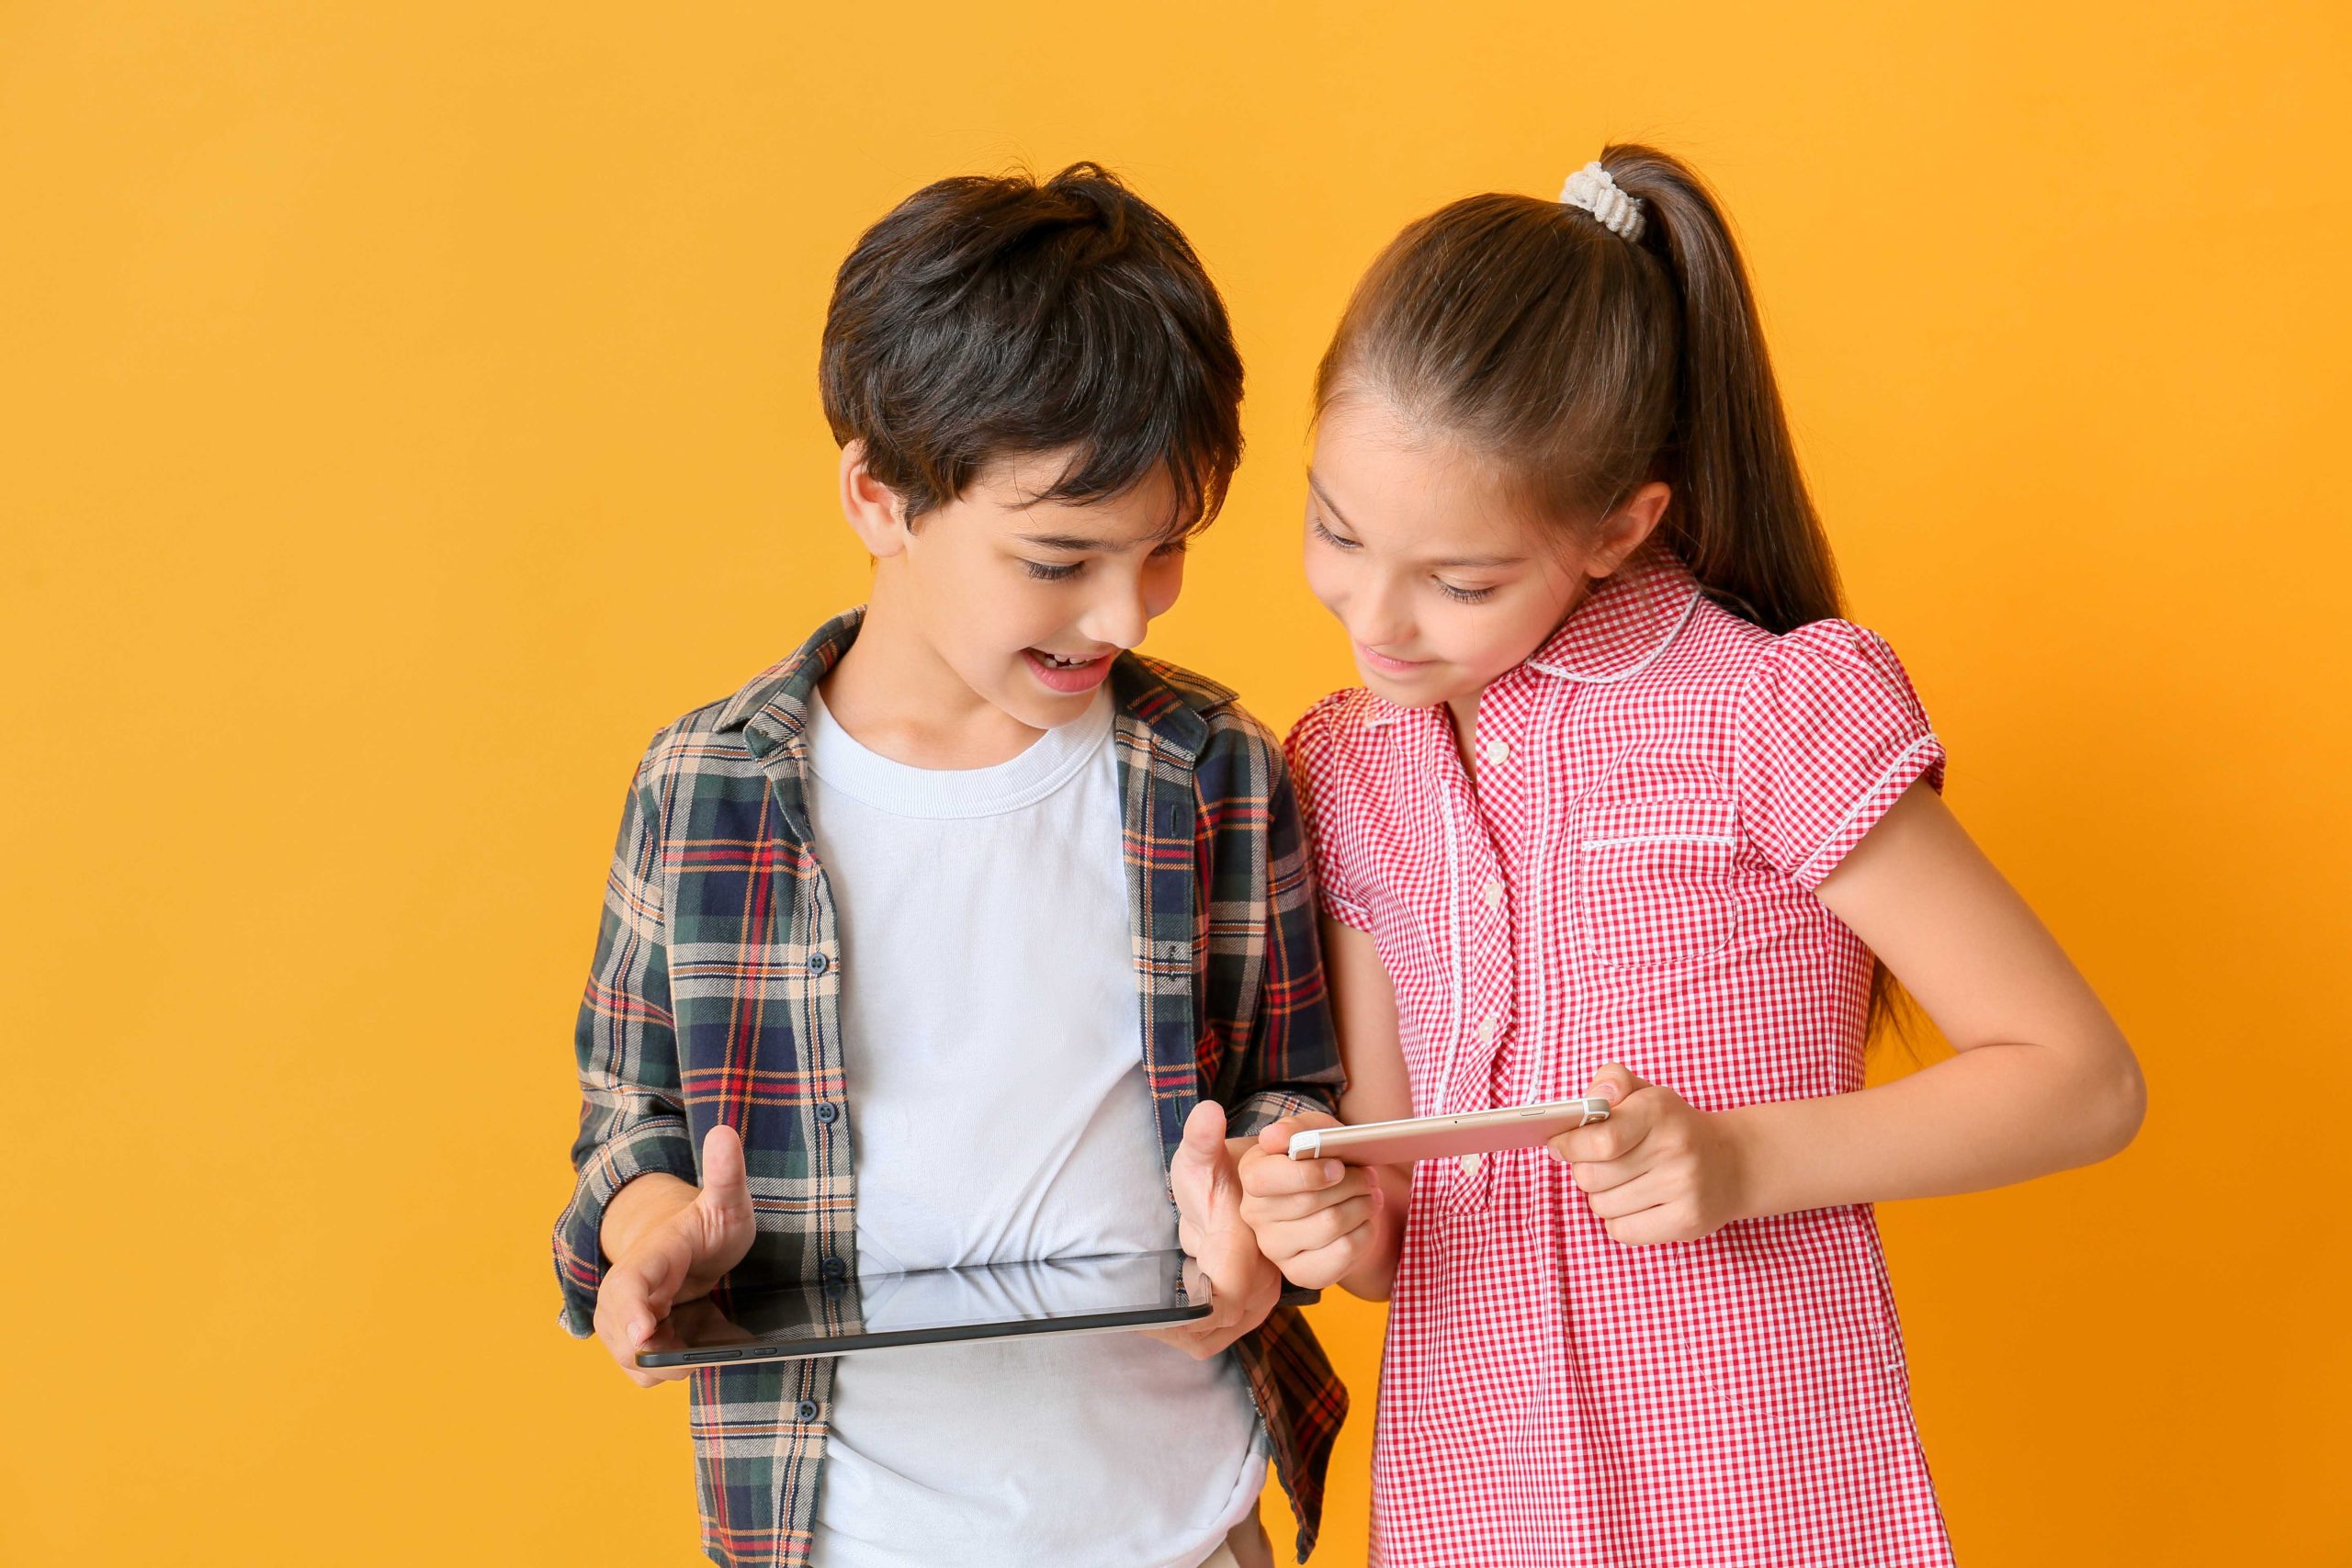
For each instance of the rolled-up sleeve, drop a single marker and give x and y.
(632, 1119)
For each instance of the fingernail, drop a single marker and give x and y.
(639, 1330)
(1333, 1171)
(1379, 1199)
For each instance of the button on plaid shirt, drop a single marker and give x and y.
(715, 997)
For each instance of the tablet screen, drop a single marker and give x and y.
(879, 1311)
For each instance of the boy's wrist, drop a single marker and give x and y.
(640, 1202)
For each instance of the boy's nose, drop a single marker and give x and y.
(1120, 616)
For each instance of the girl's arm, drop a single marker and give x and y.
(2043, 1081)
(1364, 1008)
(1322, 1223)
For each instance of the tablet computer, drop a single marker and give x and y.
(937, 1306)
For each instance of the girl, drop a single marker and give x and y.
(1622, 809)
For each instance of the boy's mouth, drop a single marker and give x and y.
(1061, 672)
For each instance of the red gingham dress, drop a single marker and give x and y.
(1659, 789)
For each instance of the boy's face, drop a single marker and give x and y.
(1028, 601)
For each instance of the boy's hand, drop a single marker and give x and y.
(1243, 1285)
(1657, 1169)
(1316, 1219)
(676, 1254)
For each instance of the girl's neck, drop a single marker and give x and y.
(1463, 711)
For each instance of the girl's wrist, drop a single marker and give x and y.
(1374, 1275)
(1758, 1162)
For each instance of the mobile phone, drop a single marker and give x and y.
(1444, 1137)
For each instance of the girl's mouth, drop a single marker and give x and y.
(1388, 666)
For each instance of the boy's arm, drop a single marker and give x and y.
(632, 1118)
(1287, 1060)
(1279, 1059)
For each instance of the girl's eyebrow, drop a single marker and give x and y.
(1466, 563)
(1477, 563)
(1324, 497)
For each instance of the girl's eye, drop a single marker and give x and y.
(1171, 549)
(1462, 596)
(1045, 573)
(1327, 536)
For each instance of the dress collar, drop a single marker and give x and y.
(1623, 625)
(1619, 629)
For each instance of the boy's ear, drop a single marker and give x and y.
(875, 514)
(1623, 531)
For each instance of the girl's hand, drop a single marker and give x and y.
(1657, 1169)
(1315, 1218)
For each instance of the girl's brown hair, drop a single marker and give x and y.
(1582, 365)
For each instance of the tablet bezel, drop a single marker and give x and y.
(1169, 1313)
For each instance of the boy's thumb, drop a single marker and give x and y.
(1205, 1131)
(725, 1184)
(1203, 1153)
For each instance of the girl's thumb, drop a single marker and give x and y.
(1612, 1083)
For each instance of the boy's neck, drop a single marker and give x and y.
(895, 696)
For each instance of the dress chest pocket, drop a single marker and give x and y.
(1655, 879)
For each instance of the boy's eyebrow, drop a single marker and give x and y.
(1063, 542)
(1472, 563)
(1170, 533)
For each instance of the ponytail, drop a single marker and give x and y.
(1741, 517)
(1583, 364)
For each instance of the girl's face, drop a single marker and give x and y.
(1441, 583)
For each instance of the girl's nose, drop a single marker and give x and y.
(1379, 619)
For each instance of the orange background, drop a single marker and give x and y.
(409, 407)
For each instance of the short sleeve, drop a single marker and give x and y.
(1316, 765)
(1828, 734)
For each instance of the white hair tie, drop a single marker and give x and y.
(1592, 189)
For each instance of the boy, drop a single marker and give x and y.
(945, 938)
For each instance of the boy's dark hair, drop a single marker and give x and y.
(986, 317)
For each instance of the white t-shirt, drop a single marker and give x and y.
(993, 1042)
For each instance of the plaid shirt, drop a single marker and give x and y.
(715, 993)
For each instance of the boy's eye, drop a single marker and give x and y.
(1045, 572)
(1327, 536)
(1462, 596)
